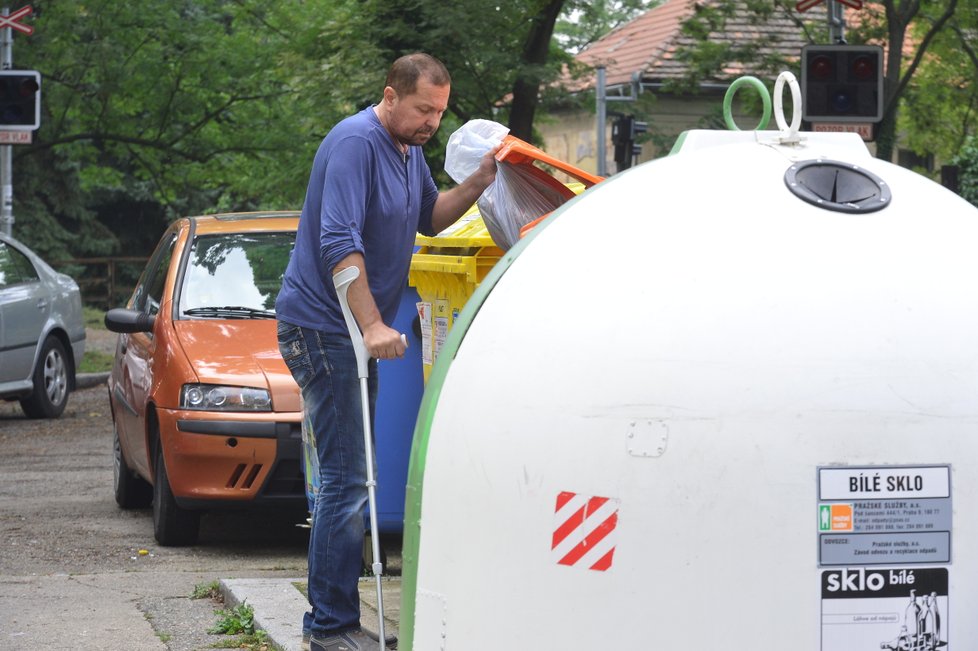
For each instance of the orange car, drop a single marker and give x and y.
(205, 412)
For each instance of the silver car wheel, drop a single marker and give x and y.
(55, 376)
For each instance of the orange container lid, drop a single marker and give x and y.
(519, 152)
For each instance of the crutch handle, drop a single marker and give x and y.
(342, 281)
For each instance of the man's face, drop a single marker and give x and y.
(413, 119)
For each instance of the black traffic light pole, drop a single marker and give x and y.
(837, 21)
(6, 151)
(601, 109)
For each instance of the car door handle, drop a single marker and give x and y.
(42, 303)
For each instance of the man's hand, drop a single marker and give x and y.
(383, 342)
(487, 168)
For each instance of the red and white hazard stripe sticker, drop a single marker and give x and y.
(585, 531)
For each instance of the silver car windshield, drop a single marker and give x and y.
(235, 276)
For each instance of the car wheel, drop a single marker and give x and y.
(131, 491)
(172, 526)
(50, 393)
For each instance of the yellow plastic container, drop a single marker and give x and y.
(445, 270)
(449, 266)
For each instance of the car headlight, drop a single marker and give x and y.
(216, 397)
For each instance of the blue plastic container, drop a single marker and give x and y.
(401, 387)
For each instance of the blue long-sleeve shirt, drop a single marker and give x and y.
(363, 196)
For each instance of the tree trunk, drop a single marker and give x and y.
(526, 88)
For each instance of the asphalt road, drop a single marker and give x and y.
(71, 572)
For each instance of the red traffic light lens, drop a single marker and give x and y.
(820, 67)
(863, 68)
(27, 87)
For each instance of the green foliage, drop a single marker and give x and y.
(234, 621)
(153, 109)
(585, 21)
(257, 641)
(942, 101)
(210, 590)
(95, 361)
(967, 162)
(709, 54)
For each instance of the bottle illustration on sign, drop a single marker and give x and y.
(921, 629)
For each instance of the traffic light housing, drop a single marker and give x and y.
(624, 130)
(842, 83)
(20, 100)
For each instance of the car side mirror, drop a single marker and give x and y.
(122, 320)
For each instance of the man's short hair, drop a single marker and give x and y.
(407, 70)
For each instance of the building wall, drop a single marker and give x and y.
(572, 136)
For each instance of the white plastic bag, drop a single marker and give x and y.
(469, 144)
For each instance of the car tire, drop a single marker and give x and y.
(51, 382)
(172, 526)
(131, 491)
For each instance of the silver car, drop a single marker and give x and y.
(42, 333)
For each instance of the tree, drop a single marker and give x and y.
(585, 21)
(941, 103)
(153, 110)
(967, 162)
(931, 18)
(158, 109)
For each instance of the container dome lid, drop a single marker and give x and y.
(838, 186)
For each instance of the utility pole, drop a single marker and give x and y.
(20, 108)
(601, 109)
(837, 22)
(6, 151)
(602, 121)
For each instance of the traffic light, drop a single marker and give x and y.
(842, 83)
(20, 100)
(623, 132)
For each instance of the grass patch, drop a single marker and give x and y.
(258, 641)
(239, 622)
(210, 590)
(96, 361)
(93, 317)
(234, 621)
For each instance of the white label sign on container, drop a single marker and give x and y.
(884, 515)
(890, 609)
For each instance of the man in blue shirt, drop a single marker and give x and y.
(369, 193)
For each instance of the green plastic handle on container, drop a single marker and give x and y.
(728, 101)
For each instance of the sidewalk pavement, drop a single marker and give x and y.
(279, 605)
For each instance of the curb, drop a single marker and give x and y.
(88, 380)
(278, 607)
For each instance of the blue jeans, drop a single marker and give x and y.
(325, 368)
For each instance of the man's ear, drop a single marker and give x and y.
(389, 95)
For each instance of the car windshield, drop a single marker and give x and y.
(235, 276)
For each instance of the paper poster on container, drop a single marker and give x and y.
(441, 324)
(884, 515)
(424, 316)
(894, 609)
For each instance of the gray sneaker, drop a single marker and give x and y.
(355, 640)
(389, 638)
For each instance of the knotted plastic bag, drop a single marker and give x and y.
(469, 144)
